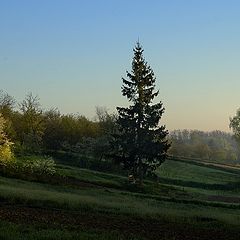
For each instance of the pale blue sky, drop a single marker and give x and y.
(73, 53)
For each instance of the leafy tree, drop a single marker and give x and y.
(76, 127)
(235, 125)
(53, 134)
(5, 144)
(141, 143)
(107, 126)
(7, 104)
(106, 121)
(32, 123)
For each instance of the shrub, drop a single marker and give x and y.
(39, 166)
(6, 155)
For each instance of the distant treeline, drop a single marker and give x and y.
(214, 146)
(35, 131)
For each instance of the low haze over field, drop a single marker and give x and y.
(74, 53)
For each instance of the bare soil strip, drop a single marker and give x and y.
(151, 229)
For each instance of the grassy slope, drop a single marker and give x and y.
(186, 194)
(201, 178)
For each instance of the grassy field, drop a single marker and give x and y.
(189, 201)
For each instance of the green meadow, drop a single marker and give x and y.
(96, 205)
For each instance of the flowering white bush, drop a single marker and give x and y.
(41, 166)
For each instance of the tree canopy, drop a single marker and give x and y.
(5, 144)
(235, 125)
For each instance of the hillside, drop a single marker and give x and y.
(189, 201)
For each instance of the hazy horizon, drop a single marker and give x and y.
(73, 54)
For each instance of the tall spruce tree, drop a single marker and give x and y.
(141, 143)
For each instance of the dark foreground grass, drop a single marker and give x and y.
(51, 224)
(12, 231)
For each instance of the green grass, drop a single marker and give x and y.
(171, 203)
(182, 195)
(200, 174)
(100, 178)
(201, 179)
(10, 231)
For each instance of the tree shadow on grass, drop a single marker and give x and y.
(208, 186)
